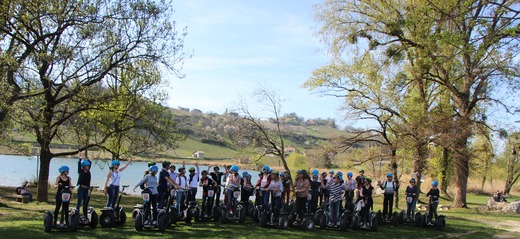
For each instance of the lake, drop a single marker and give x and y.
(14, 170)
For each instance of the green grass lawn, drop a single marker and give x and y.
(26, 221)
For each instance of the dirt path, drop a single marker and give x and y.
(512, 228)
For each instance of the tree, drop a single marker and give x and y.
(512, 170)
(62, 49)
(465, 48)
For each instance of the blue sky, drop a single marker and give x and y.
(239, 45)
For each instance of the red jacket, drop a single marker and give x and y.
(259, 182)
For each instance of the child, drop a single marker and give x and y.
(434, 201)
(193, 178)
(286, 181)
(258, 194)
(246, 187)
(63, 180)
(232, 182)
(336, 190)
(276, 187)
(113, 181)
(411, 199)
(83, 187)
(315, 190)
(206, 183)
(151, 183)
(216, 175)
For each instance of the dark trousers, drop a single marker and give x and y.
(148, 207)
(365, 213)
(388, 202)
(301, 206)
(82, 199)
(191, 194)
(207, 204)
(276, 205)
(349, 200)
(64, 210)
(432, 207)
(314, 202)
(265, 199)
(163, 194)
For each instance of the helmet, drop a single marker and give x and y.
(151, 163)
(165, 164)
(412, 180)
(340, 174)
(389, 175)
(181, 169)
(192, 169)
(154, 168)
(234, 168)
(266, 168)
(63, 169)
(349, 174)
(85, 163)
(270, 171)
(299, 172)
(331, 171)
(315, 172)
(304, 171)
(435, 183)
(369, 180)
(248, 175)
(282, 175)
(115, 162)
(244, 174)
(361, 171)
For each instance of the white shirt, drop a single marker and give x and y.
(115, 178)
(194, 182)
(182, 182)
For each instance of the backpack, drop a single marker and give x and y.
(393, 185)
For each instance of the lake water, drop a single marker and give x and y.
(14, 170)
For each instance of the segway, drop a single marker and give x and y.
(238, 212)
(192, 211)
(344, 219)
(71, 221)
(422, 221)
(144, 218)
(393, 221)
(403, 219)
(171, 207)
(307, 222)
(217, 205)
(113, 216)
(357, 224)
(91, 218)
(208, 214)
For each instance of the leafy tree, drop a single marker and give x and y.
(464, 48)
(62, 49)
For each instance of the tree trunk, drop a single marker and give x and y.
(445, 171)
(511, 161)
(461, 160)
(396, 179)
(43, 179)
(419, 160)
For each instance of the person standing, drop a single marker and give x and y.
(83, 188)
(350, 185)
(301, 189)
(390, 188)
(164, 180)
(113, 181)
(411, 199)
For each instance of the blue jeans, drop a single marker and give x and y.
(265, 199)
(230, 200)
(82, 199)
(334, 211)
(410, 208)
(113, 191)
(180, 201)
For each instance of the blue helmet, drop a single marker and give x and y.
(282, 175)
(349, 174)
(244, 174)
(154, 168)
(85, 163)
(315, 172)
(435, 183)
(298, 172)
(234, 168)
(331, 171)
(115, 162)
(340, 174)
(270, 171)
(266, 168)
(389, 175)
(63, 169)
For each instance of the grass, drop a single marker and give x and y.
(26, 220)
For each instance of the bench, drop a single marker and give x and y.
(22, 198)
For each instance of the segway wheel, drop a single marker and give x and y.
(173, 216)
(161, 222)
(255, 215)
(223, 216)
(107, 219)
(375, 224)
(94, 219)
(189, 216)
(283, 222)
(355, 222)
(423, 221)
(440, 222)
(47, 222)
(291, 218)
(379, 216)
(308, 224)
(122, 217)
(401, 217)
(395, 219)
(135, 212)
(74, 222)
(323, 221)
(263, 219)
(138, 223)
(344, 223)
(216, 214)
(242, 216)
(417, 219)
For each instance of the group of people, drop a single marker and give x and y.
(272, 189)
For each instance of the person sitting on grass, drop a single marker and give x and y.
(24, 190)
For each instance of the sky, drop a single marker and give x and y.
(239, 46)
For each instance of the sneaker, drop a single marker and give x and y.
(146, 222)
(154, 222)
(329, 224)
